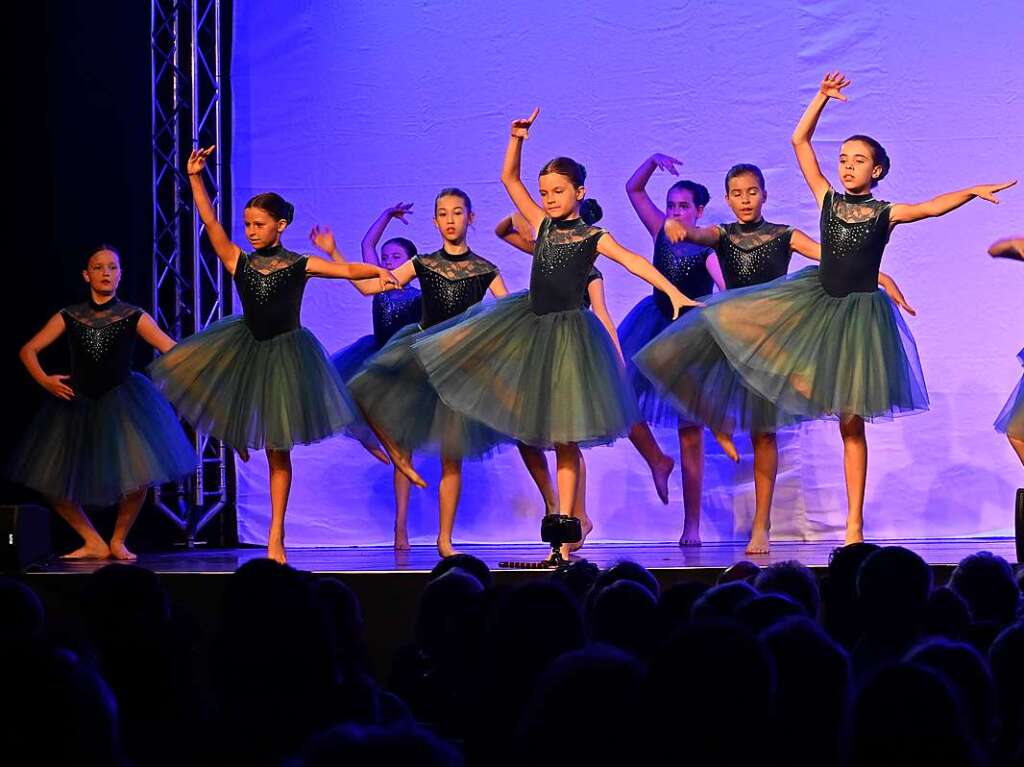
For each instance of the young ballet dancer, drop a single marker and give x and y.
(107, 434)
(261, 380)
(535, 365)
(392, 389)
(1011, 418)
(819, 343)
(392, 311)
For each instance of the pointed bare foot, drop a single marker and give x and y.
(854, 534)
(691, 534)
(728, 446)
(120, 551)
(376, 451)
(275, 551)
(402, 541)
(445, 548)
(92, 550)
(660, 473)
(405, 466)
(588, 527)
(243, 454)
(758, 542)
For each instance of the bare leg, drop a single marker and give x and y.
(451, 487)
(127, 513)
(376, 451)
(402, 488)
(725, 440)
(1018, 446)
(855, 466)
(95, 547)
(537, 465)
(766, 467)
(580, 508)
(660, 464)
(568, 459)
(280, 485)
(691, 457)
(399, 458)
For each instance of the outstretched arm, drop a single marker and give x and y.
(642, 268)
(514, 232)
(939, 206)
(151, 333)
(511, 169)
(368, 279)
(226, 250)
(29, 356)
(1009, 247)
(650, 214)
(376, 231)
(676, 231)
(831, 88)
(598, 305)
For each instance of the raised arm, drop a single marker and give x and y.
(376, 231)
(650, 214)
(29, 356)
(510, 171)
(637, 265)
(226, 250)
(598, 305)
(707, 236)
(514, 232)
(151, 333)
(902, 213)
(831, 88)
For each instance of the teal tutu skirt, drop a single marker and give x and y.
(542, 379)
(94, 452)
(1011, 418)
(760, 358)
(640, 326)
(271, 394)
(349, 360)
(394, 392)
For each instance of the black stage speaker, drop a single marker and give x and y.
(24, 536)
(1018, 525)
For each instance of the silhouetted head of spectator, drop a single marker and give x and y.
(344, 617)
(623, 615)
(907, 714)
(627, 570)
(1006, 658)
(793, 580)
(813, 691)
(721, 602)
(946, 614)
(578, 577)
(21, 612)
(450, 615)
(840, 611)
(765, 610)
(892, 589)
(744, 570)
(596, 673)
(364, 746)
(472, 565)
(675, 606)
(968, 673)
(986, 583)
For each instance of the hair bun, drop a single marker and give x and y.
(590, 211)
(289, 211)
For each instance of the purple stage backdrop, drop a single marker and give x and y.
(346, 108)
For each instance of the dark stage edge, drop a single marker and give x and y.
(388, 583)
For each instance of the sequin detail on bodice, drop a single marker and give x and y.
(854, 233)
(394, 310)
(562, 260)
(450, 284)
(752, 254)
(684, 264)
(270, 283)
(101, 339)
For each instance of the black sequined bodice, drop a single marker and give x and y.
(751, 254)
(270, 283)
(394, 310)
(562, 260)
(451, 284)
(101, 338)
(854, 232)
(684, 264)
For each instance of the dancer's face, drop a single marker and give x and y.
(558, 197)
(452, 219)
(746, 197)
(392, 256)
(103, 272)
(680, 206)
(261, 229)
(857, 168)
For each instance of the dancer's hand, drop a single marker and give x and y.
(197, 160)
(895, 294)
(56, 386)
(680, 302)
(400, 211)
(1010, 247)
(666, 162)
(988, 191)
(521, 127)
(675, 231)
(323, 239)
(388, 281)
(832, 85)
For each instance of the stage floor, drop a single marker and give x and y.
(655, 556)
